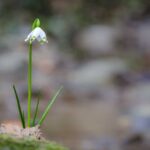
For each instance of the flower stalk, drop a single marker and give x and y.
(29, 83)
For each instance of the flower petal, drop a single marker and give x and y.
(38, 34)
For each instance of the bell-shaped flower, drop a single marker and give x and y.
(37, 34)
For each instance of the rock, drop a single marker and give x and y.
(11, 62)
(97, 72)
(94, 78)
(138, 94)
(135, 36)
(141, 120)
(143, 35)
(109, 143)
(138, 107)
(97, 39)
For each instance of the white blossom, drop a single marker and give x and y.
(37, 34)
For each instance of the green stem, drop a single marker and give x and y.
(29, 84)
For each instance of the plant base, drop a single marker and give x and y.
(17, 131)
(13, 137)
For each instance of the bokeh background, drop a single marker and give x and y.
(99, 50)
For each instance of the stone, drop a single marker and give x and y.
(97, 39)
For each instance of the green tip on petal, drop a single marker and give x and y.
(36, 23)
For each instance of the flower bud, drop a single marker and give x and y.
(36, 23)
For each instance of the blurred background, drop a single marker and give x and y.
(99, 50)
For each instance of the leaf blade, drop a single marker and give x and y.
(49, 106)
(23, 118)
(21, 114)
(36, 112)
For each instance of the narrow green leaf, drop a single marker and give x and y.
(49, 106)
(23, 119)
(21, 114)
(36, 112)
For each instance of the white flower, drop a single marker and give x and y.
(37, 34)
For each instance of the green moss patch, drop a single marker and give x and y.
(10, 143)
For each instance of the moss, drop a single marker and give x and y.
(10, 143)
